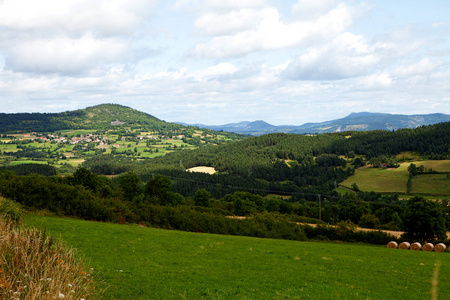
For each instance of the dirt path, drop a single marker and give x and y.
(396, 234)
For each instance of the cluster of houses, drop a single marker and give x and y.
(90, 138)
(103, 141)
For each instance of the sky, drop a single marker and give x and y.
(215, 62)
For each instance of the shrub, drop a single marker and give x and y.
(11, 210)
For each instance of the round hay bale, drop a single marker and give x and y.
(404, 246)
(428, 247)
(392, 245)
(416, 246)
(440, 247)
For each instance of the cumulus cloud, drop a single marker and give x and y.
(306, 9)
(268, 30)
(63, 55)
(73, 16)
(347, 55)
(68, 36)
(214, 24)
(219, 6)
(214, 62)
(424, 67)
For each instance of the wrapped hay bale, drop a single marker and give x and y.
(392, 245)
(428, 247)
(404, 246)
(416, 246)
(440, 247)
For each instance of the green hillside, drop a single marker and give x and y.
(146, 263)
(102, 116)
(71, 137)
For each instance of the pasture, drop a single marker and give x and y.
(395, 180)
(148, 263)
(380, 180)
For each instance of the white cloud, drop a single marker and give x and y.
(272, 32)
(232, 4)
(306, 9)
(68, 36)
(215, 71)
(215, 6)
(423, 67)
(374, 82)
(63, 54)
(211, 24)
(104, 17)
(345, 56)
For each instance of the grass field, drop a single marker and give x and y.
(26, 161)
(147, 263)
(436, 165)
(395, 180)
(380, 180)
(431, 183)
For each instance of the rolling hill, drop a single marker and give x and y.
(102, 116)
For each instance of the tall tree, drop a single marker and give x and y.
(424, 220)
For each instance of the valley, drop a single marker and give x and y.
(180, 203)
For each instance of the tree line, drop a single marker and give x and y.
(87, 195)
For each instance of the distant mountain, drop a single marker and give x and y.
(362, 121)
(110, 116)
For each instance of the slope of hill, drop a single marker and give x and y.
(151, 263)
(363, 121)
(96, 117)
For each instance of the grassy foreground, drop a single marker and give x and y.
(147, 263)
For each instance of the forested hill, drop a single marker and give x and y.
(285, 163)
(239, 157)
(96, 117)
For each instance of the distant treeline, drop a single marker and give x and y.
(27, 169)
(430, 141)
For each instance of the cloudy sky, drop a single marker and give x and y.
(222, 61)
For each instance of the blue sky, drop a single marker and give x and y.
(217, 62)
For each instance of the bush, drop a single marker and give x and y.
(11, 210)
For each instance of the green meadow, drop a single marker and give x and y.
(27, 161)
(146, 263)
(395, 180)
(380, 180)
(431, 183)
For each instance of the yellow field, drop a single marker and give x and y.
(209, 170)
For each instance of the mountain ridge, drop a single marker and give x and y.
(355, 121)
(112, 115)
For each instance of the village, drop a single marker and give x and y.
(102, 141)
